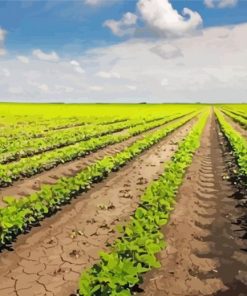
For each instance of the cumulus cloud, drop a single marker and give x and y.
(108, 75)
(163, 19)
(23, 59)
(125, 26)
(167, 51)
(48, 57)
(2, 39)
(220, 3)
(211, 68)
(77, 67)
(159, 17)
(74, 63)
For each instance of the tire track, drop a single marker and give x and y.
(49, 259)
(205, 253)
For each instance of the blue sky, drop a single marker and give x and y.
(76, 26)
(123, 50)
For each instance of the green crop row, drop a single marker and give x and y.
(134, 252)
(38, 128)
(237, 142)
(238, 112)
(19, 213)
(56, 138)
(30, 166)
(41, 130)
(14, 150)
(238, 118)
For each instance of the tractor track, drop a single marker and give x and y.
(206, 253)
(48, 260)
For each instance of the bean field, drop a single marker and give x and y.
(123, 199)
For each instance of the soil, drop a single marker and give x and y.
(49, 259)
(28, 186)
(206, 250)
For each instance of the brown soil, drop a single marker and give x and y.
(28, 186)
(49, 259)
(205, 254)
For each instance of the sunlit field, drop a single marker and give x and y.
(86, 191)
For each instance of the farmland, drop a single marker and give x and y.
(138, 199)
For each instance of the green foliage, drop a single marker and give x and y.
(141, 239)
(236, 117)
(22, 212)
(238, 143)
(24, 146)
(27, 167)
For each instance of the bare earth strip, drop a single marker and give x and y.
(49, 259)
(30, 185)
(205, 255)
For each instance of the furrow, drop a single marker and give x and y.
(52, 255)
(205, 253)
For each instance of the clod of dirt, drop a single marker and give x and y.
(75, 253)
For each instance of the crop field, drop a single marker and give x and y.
(123, 199)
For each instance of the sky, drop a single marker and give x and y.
(123, 51)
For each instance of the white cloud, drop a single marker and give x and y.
(212, 67)
(2, 34)
(23, 59)
(79, 70)
(163, 19)
(209, 3)
(74, 63)
(159, 17)
(49, 57)
(164, 82)
(43, 87)
(108, 75)
(167, 51)
(220, 3)
(125, 26)
(131, 87)
(63, 88)
(77, 67)
(96, 88)
(2, 39)
(6, 72)
(15, 90)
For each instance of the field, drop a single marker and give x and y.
(123, 200)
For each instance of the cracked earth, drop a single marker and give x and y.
(49, 259)
(206, 250)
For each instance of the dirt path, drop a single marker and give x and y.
(236, 125)
(30, 185)
(49, 259)
(205, 254)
